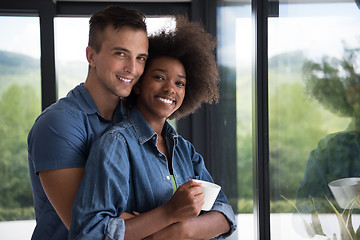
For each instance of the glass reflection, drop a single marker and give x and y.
(313, 117)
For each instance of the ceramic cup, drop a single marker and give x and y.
(211, 190)
(345, 191)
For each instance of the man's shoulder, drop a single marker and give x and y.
(64, 110)
(66, 114)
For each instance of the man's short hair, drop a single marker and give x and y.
(117, 17)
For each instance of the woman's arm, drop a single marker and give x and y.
(205, 226)
(185, 204)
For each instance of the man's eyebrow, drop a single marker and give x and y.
(121, 49)
(128, 51)
(144, 55)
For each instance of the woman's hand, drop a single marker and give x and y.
(186, 202)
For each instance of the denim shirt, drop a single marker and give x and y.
(126, 172)
(61, 138)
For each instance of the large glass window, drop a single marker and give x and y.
(314, 74)
(19, 106)
(234, 57)
(71, 39)
(20, 103)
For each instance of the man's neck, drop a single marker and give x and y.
(105, 102)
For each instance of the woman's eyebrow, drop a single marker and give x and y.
(160, 70)
(165, 71)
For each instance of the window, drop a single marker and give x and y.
(312, 75)
(19, 106)
(235, 65)
(313, 116)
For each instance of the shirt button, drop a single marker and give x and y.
(159, 154)
(154, 138)
(168, 177)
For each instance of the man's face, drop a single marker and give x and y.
(120, 61)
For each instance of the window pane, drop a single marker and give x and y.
(71, 40)
(314, 136)
(234, 59)
(20, 104)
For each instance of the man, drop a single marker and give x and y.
(60, 140)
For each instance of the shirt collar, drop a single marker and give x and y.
(82, 95)
(143, 130)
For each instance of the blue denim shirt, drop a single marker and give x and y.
(61, 138)
(126, 172)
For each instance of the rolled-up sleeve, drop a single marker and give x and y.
(228, 212)
(115, 229)
(103, 193)
(221, 203)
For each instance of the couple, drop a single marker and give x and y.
(110, 134)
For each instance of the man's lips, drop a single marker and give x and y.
(124, 79)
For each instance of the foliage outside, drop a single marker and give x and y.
(295, 122)
(347, 231)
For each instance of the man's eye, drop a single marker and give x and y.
(143, 59)
(120, 53)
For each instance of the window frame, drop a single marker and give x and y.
(198, 127)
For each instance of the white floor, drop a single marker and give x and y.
(283, 227)
(16, 230)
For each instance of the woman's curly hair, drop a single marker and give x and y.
(193, 47)
(334, 83)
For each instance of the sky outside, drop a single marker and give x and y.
(71, 35)
(315, 28)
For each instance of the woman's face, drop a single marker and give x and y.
(161, 90)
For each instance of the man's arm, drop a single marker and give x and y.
(61, 186)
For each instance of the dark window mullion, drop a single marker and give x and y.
(48, 76)
(260, 121)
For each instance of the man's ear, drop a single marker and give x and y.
(90, 53)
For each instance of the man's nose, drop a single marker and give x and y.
(130, 65)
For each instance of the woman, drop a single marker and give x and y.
(142, 165)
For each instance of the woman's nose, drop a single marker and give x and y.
(169, 87)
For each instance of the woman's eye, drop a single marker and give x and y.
(181, 84)
(161, 78)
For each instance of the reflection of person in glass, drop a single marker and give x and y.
(336, 85)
